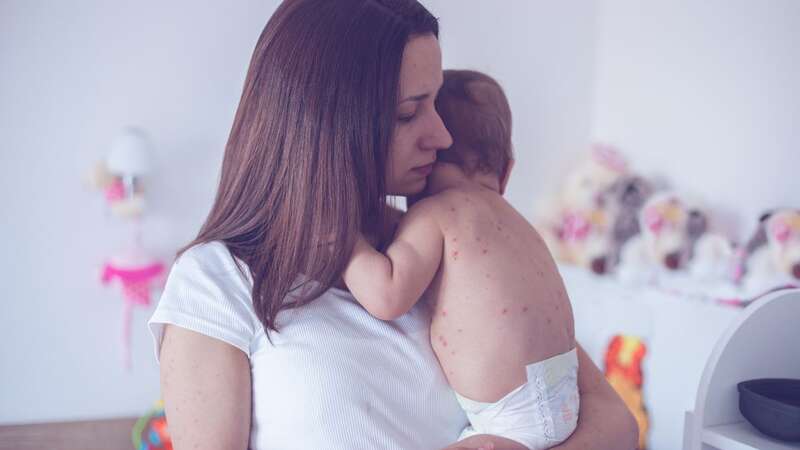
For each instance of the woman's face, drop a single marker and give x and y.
(419, 132)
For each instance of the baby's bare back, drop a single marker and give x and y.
(498, 300)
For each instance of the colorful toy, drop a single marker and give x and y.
(623, 361)
(674, 236)
(575, 225)
(771, 257)
(150, 431)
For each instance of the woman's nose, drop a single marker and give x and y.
(438, 137)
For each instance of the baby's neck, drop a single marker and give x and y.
(478, 180)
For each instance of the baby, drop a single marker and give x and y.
(502, 325)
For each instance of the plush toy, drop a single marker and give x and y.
(574, 224)
(622, 202)
(771, 257)
(671, 233)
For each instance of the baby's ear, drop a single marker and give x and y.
(506, 175)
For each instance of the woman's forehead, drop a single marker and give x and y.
(421, 69)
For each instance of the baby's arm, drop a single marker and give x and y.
(388, 285)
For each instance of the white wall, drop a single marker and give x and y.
(73, 74)
(705, 93)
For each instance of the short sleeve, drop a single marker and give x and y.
(206, 293)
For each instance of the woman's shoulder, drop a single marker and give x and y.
(209, 257)
(206, 293)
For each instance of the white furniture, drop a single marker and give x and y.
(764, 342)
(678, 330)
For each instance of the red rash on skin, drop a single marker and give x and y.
(525, 309)
(455, 254)
(485, 251)
(505, 310)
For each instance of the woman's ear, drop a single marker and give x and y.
(506, 175)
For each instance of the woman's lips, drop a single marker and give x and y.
(423, 170)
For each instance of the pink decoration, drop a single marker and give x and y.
(781, 230)
(575, 227)
(137, 283)
(115, 191)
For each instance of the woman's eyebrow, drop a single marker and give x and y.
(416, 98)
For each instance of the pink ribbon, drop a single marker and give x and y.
(136, 284)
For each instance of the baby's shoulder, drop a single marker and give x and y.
(454, 206)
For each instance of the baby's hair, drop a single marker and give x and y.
(475, 110)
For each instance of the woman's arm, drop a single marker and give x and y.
(604, 422)
(206, 387)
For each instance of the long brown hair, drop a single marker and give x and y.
(304, 165)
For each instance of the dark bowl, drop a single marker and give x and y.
(772, 405)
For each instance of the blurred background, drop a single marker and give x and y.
(703, 94)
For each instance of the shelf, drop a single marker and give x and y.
(742, 436)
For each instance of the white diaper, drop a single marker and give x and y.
(539, 414)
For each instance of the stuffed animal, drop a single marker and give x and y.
(574, 224)
(771, 257)
(670, 232)
(622, 202)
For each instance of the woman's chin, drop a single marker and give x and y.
(411, 188)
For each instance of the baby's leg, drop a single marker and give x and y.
(487, 441)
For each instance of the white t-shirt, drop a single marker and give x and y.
(334, 377)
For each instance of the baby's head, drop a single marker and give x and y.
(476, 112)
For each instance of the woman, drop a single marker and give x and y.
(257, 343)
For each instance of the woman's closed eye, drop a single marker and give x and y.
(406, 117)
